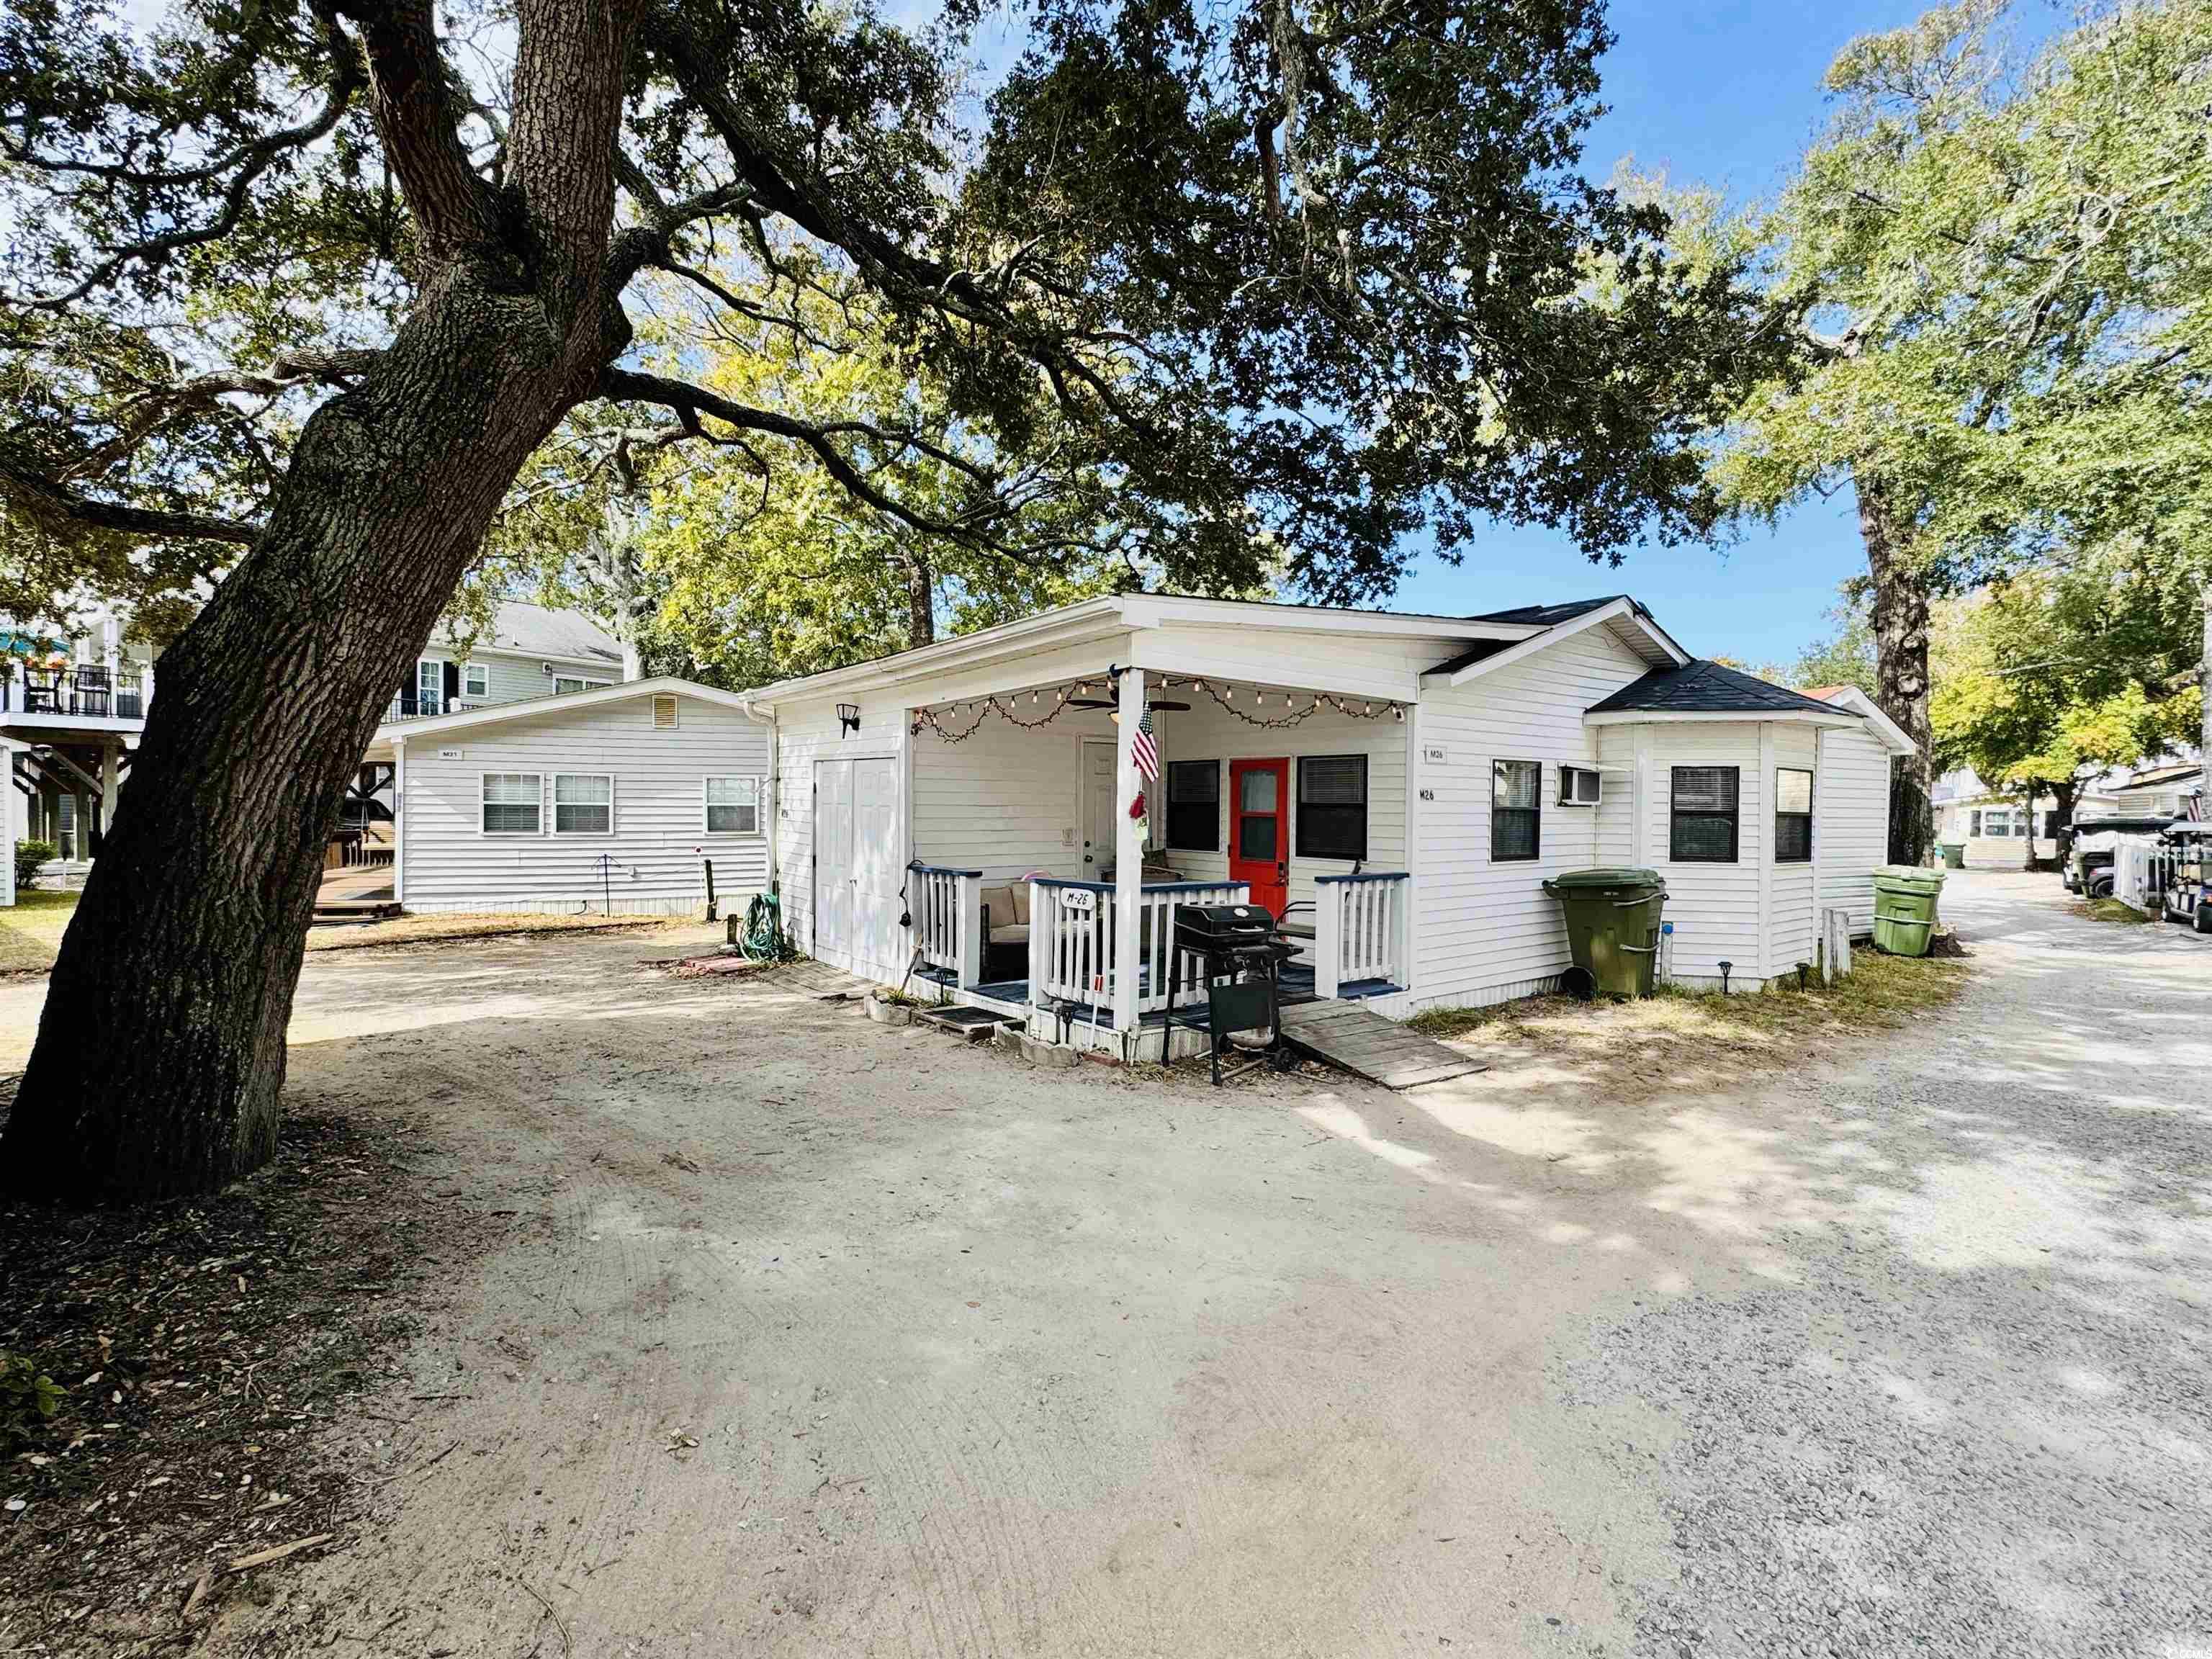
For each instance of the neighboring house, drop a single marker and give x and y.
(608, 798)
(1997, 827)
(1401, 784)
(528, 653)
(2167, 787)
(72, 705)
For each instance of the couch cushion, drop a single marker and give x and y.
(1014, 932)
(1020, 912)
(1000, 902)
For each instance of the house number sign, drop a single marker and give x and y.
(1078, 898)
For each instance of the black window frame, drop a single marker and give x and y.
(1309, 842)
(1675, 816)
(1499, 814)
(1171, 826)
(1797, 821)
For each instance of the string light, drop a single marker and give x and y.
(1225, 697)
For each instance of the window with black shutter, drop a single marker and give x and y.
(1702, 810)
(1194, 805)
(1516, 797)
(1793, 816)
(1332, 806)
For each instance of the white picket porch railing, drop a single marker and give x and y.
(946, 907)
(1071, 930)
(1360, 930)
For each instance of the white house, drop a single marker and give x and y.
(1400, 785)
(613, 797)
(2002, 831)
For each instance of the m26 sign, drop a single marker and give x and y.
(1080, 900)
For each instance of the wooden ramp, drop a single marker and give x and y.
(1360, 1041)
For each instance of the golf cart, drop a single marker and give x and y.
(2187, 858)
(2088, 867)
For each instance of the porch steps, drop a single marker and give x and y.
(976, 1025)
(1361, 1042)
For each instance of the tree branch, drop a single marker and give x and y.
(42, 499)
(418, 116)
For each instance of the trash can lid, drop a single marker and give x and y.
(1908, 875)
(1608, 875)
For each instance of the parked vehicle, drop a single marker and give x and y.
(2187, 866)
(2088, 867)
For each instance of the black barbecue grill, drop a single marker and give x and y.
(1239, 953)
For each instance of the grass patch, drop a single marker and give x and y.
(31, 932)
(2111, 909)
(1650, 1044)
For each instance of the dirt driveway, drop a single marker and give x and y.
(809, 1337)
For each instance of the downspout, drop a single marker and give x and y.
(751, 711)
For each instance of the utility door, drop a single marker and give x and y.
(833, 859)
(1099, 825)
(1260, 830)
(857, 864)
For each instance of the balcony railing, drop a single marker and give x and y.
(82, 692)
(410, 706)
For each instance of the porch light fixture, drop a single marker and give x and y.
(848, 717)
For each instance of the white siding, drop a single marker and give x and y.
(1008, 799)
(658, 836)
(1487, 932)
(1208, 732)
(1793, 922)
(1851, 830)
(515, 679)
(1714, 907)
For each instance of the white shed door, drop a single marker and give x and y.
(856, 902)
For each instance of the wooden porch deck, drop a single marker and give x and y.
(1360, 1041)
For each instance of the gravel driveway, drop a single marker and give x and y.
(809, 1337)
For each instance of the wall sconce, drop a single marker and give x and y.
(848, 717)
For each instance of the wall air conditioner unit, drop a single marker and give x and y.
(1579, 785)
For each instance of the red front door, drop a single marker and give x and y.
(1260, 830)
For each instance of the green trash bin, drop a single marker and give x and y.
(1612, 926)
(1955, 855)
(1905, 899)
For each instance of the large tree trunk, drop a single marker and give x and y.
(160, 1053)
(2062, 794)
(1900, 648)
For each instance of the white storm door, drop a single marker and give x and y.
(875, 864)
(833, 858)
(1098, 825)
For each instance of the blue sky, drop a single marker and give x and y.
(1725, 93)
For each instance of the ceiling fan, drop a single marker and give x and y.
(1159, 703)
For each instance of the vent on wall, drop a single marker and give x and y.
(664, 709)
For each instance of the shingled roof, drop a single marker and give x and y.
(1548, 616)
(1699, 687)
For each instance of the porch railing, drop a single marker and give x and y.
(82, 691)
(1360, 930)
(946, 907)
(1071, 932)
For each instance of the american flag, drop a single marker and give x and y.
(1143, 749)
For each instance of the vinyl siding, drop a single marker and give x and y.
(1714, 907)
(1209, 731)
(659, 835)
(1794, 922)
(1486, 931)
(1007, 800)
(515, 679)
(1852, 830)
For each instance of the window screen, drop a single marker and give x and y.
(1332, 806)
(1702, 813)
(511, 803)
(583, 804)
(1517, 795)
(1194, 805)
(734, 807)
(1793, 815)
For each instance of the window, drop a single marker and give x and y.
(1194, 805)
(512, 801)
(475, 680)
(1702, 827)
(583, 804)
(734, 807)
(2003, 823)
(2050, 826)
(1579, 785)
(664, 711)
(563, 685)
(1332, 806)
(1793, 816)
(1974, 823)
(430, 686)
(1516, 794)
